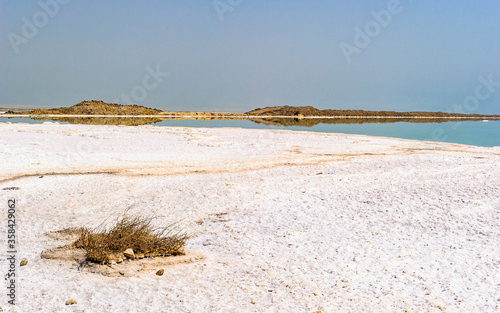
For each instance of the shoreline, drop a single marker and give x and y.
(486, 117)
(90, 143)
(301, 126)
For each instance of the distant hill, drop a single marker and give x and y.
(287, 111)
(96, 107)
(312, 111)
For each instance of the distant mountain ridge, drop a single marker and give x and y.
(312, 111)
(98, 107)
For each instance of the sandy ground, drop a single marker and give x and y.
(286, 221)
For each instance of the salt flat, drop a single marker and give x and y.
(287, 221)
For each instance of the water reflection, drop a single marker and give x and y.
(310, 122)
(126, 121)
(274, 121)
(472, 131)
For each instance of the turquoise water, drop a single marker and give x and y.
(478, 133)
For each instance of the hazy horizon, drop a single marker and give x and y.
(237, 55)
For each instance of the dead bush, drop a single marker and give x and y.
(107, 244)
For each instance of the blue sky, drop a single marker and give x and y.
(236, 55)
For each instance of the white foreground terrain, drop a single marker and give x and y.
(285, 221)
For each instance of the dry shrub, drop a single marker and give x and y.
(130, 232)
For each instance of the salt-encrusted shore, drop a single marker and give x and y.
(287, 221)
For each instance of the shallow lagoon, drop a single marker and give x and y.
(478, 133)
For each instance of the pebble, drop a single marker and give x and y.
(129, 253)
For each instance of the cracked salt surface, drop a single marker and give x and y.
(399, 225)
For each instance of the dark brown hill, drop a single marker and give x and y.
(95, 107)
(287, 111)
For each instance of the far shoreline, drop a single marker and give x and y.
(243, 116)
(101, 109)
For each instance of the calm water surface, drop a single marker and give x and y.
(479, 133)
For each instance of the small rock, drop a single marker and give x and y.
(126, 273)
(160, 272)
(129, 253)
(70, 302)
(24, 261)
(140, 255)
